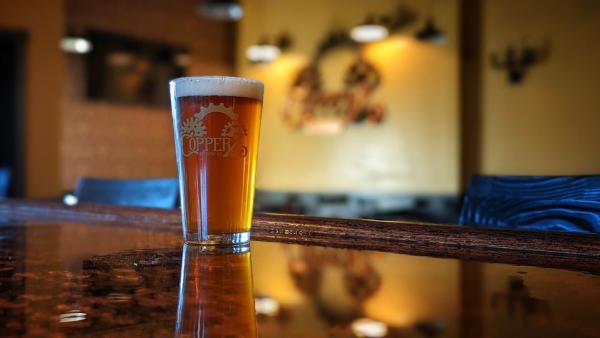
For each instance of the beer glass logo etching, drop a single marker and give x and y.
(226, 141)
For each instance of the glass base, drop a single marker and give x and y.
(232, 239)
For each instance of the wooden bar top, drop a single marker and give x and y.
(108, 271)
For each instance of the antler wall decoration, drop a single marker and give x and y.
(516, 62)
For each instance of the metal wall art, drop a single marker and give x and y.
(311, 109)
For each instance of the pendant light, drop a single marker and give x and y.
(430, 32)
(224, 10)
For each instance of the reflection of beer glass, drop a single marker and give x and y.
(216, 122)
(215, 294)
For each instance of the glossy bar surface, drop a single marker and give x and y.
(63, 275)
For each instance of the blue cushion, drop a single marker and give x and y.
(153, 193)
(4, 181)
(558, 203)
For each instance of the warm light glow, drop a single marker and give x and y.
(266, 306)
(71, 44)
(365, 327)
(262, 53)
(279, 72)
(368, 33)
(391, 47)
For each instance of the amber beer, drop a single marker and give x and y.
(216, 122)
(215, 295)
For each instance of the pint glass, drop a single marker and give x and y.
(216, 122)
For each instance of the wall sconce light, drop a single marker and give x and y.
(262, 53)
(369, 31)
(76, 45)
(265, 52)
(430, 33)
(375, 29)
(224, 10)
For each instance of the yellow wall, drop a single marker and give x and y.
(549, 124)
(415, 150)
(44, 23)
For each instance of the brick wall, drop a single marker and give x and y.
(102, 139)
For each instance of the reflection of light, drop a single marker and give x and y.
(324, 126)
(262, 53)
(365, 327)
(71, 44)
(70, 199)
(266, 306)
(72, 316)
(368, 33)
(116, 297)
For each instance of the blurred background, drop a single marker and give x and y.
(373, 109)
(379, 109)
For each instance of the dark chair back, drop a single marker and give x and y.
(559, 203)
(4, 181)
(152, 193)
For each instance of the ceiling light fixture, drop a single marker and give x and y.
(225, 10)
(76, 45)
(369, 31)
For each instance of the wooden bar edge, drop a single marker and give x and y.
(558, 250)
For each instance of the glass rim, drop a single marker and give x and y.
(216, 85)
(215, 77)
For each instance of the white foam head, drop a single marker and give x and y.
(216, 86)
